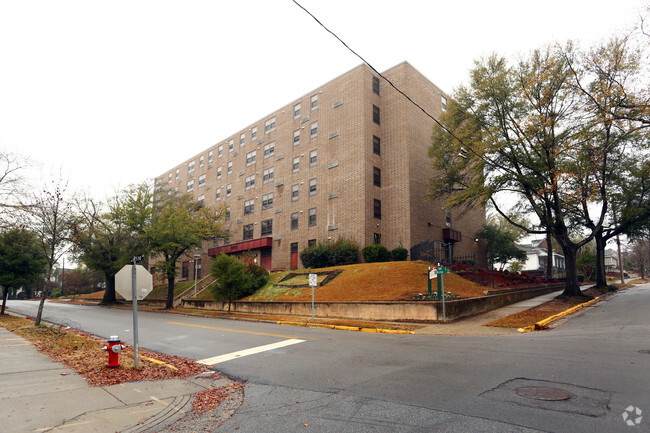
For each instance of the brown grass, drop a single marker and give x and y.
(389, 281)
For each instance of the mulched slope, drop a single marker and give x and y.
(389, 281)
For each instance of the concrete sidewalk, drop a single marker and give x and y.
(40, 395)
(475, 325)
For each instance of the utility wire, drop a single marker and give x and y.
(385, 79)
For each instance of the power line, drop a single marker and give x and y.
(385, 79)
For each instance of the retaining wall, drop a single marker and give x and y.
(416, 311)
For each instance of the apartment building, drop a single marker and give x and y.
(348, 159)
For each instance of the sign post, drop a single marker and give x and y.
(441, 270)
(130, 293)
(313, 282)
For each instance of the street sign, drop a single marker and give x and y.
(441, 270)
(313, 279)
(433, 273)
(123, 282)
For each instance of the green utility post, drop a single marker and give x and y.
(439, 282)
(429, 281)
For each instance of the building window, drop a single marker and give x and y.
(198, 269)
(376, 115)
(185, 273)
(177, 173)
(295, 192)
(376, 176)
(314, 102)
(313, 158)
(267, 175)
(220, 151)
(201, 161)
(312, 217)
(228, 190)
(296, 111)
(294, 221)
(169, 180)
(231, 145)
(250, 158)
(269, 150)
(242, 139)
(375, 85)
(296, 164)
(254, 133)
(190, 167)
(377, 209)
(267, 201)
(250, 182)
(311, 243)
(376, 239)
(269, 125)
(210, 156)
(217, 195)
(267, 227)
(448, 218)
(248, 231)
(201, 180)
(296, 137)
(190, 185)
(249, 206)
(312, 187)
(229, 170)
(200, 198)
(443, 103)
(376, 145)
(226, 215)
(313, 130)
(219, 172)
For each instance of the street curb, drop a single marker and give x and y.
(542, 324)
(346, 328)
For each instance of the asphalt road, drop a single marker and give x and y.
(343, 381)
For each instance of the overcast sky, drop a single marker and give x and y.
(113, 93)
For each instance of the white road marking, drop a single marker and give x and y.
(229, 356)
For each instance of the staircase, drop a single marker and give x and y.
(201, 285)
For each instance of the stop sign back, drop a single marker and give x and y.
(123, 282)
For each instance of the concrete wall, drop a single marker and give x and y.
(414, 311)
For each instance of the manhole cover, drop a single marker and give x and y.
(645, 352)
(541, 393)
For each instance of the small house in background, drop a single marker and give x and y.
(611, 260)
(537, 256)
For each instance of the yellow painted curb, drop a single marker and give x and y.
(157, 361)
(346, 328)
(542, 323)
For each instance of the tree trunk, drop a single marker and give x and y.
(5, 292)
(170, 292)
(572, 286)
(40, 305)
(549, 255)
(109, 293)
(601, 276)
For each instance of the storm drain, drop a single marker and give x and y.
(645, 351)
(542, 393)
(553, 396)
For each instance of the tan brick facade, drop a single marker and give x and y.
(340, 159)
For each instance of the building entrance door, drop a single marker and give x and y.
(294, 255)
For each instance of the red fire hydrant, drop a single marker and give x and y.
(114, 348)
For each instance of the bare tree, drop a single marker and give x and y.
(11, 183)
(47, 214)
